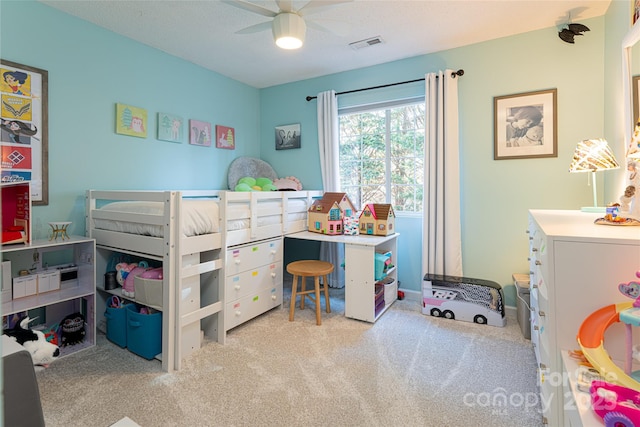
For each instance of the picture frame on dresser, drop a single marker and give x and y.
(525, 125)
(24, 128)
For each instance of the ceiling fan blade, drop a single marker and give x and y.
(255, 28)
(251, 7)
(338, 28)
(315, 6)
(285, 5)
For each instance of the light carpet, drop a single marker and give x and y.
(407, 369)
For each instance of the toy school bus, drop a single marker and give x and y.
(463, 298)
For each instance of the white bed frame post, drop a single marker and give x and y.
(170, 359)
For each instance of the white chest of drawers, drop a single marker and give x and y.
(253, 283)
(575, 269)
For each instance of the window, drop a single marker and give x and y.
(382, 154)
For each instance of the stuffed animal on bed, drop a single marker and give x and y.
(42, 352)
(288, 183)
(248, 183)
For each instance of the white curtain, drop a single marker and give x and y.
(441, 236)
(328, 139)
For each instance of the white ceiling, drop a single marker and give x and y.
(203, 32)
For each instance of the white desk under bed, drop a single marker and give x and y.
(360, 269)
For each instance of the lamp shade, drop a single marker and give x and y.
(592, 155)
(288, 30)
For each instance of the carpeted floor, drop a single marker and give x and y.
(406, 369)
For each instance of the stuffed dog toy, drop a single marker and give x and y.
(42, 351)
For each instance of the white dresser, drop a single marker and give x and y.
(576, 267)
(253, 282)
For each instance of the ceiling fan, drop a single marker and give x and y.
(288, 24)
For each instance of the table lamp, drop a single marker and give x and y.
(593, 155)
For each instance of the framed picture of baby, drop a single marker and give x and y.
(525, 125)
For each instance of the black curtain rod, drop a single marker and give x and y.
(453, 75)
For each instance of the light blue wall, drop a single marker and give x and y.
(496, 195)
(90, 70)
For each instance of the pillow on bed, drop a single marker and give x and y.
(249, 166)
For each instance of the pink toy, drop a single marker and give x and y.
(126, 273)
(288, 183)
(617, 405)
(631, 290)
(152, 273)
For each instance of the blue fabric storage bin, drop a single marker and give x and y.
(117, 324)
(144, 333)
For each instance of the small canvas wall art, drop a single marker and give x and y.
(199, 133)
(288, 137)
(170, 127)
(131, 120)
(225, 137)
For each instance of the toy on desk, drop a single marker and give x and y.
(326, 215)
(377, 219)
(351, 225)
(618, 406)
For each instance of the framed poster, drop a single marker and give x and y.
(525, 125)
(288, 137)
(225, 137)
(170, 127)
(199, 133)
(24, 128)
(131, 120)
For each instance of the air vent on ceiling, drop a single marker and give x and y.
(366, 43)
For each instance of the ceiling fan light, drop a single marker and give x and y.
(289, 30)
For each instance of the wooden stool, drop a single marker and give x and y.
(304, 269)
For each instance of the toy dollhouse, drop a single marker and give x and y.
(16, 212)
(326, 214)
(377, 219)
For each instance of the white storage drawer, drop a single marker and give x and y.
(252, 281)
(238, 312)
(246, 257)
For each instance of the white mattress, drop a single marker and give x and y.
(198, 216)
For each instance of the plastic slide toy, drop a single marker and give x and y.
(591, 340)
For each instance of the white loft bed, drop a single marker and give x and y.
(192, 254)
(192, 292)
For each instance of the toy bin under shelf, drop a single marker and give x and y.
(117, 324)
(144, 333)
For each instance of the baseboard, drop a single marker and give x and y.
(415, 296)
(510, 310)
